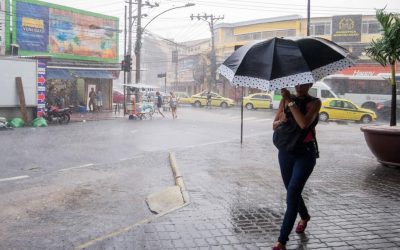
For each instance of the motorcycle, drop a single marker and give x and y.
(55, 114)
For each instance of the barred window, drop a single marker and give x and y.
(318, 29)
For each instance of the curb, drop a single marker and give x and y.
(178, 178)
(185, 195)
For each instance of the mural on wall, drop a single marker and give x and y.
(62, 32)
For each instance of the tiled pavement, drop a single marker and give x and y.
(238, 199)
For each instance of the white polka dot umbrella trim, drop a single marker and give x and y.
(284, 82)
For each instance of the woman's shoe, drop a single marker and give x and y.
(302, 227)
(279, 246)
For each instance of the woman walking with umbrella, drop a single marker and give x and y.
(296, 162)
(279, 63)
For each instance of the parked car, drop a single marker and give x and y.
(200, 99)
(183, 98)
(118, 96)
(383, 109)
(342, 109)
(257, 101)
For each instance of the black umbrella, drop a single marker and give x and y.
(279, 63)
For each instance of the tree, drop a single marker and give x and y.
(386, 50)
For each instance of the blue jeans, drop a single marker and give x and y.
(295, 170)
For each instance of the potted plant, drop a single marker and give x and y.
(384, 141)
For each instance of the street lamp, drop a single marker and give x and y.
(140, 31)
(178, 7)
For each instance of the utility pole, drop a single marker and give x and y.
(124, 107)
(138, 40)
(211, 23)
(175, 62)
(130, 38)
(139, 33)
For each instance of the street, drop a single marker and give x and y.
(66, 187)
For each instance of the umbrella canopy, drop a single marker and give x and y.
(279, 63)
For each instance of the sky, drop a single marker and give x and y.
(176, 24)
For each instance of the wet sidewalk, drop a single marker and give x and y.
(96, 116)
(238, 199)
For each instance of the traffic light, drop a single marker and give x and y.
(127, 63)
(161, 75)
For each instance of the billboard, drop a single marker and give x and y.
(4, 26)
(62, 32)
(346, 28)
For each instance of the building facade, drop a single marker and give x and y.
(354, 32)
(193, 64)
(76, 50)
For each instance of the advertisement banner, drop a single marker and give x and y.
(346, 28)
(4, 26)
(63, 32)
(32, 27)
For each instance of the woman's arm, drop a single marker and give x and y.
(304, 121)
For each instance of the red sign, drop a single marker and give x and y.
(41, 97)
(365, 70)
(41, 80)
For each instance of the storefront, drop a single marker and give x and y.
(71, 86)
(77, 50)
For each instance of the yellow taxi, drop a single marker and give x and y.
(342, 109)
(257, 101)
(183, 98)
(200, 99)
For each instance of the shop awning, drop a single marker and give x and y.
(99, 74)
(62, 74)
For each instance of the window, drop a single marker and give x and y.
(371, 27)
(266, 35)
(257, 96)
(336, 104)
(243, 37)
(318, 29)
(291, 33)
(348, 105)
(326, 94)
(228, 35)
(266, 97)
(257, 36)
(313, 92)
(281, 33)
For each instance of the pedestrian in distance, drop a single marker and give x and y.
(99, 100)
(159, 103)
(173, 103)
(297, 157)
(92, 100)
(209, 99)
